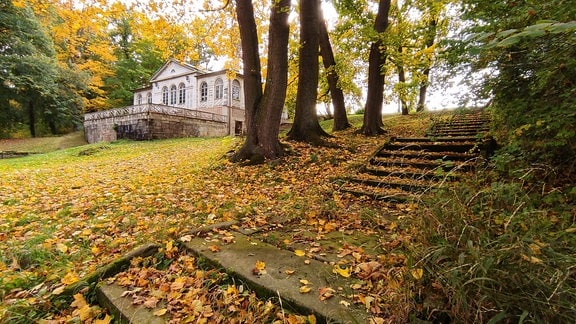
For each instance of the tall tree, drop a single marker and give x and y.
(306, 127)
(532, 47)
(429, 42)
(263, 108)
(30, 73)
(373, 109)
(340, 114)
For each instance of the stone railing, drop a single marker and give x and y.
(154, 108)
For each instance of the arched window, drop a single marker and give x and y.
(165, 95)
(219, 89)
(173, 95)
(236, 90)
(149, 97)
(204, 91)
(181, 94)
(139, 99)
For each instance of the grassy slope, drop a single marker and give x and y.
(65, 212)
(43, 144)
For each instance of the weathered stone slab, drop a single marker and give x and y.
(110, 297)
(239, 259)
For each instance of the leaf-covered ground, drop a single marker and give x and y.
(63, 214)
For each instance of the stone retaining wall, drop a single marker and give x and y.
(147, 122)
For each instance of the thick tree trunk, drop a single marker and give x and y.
(340, 115)
(263, 110)
(31, 119)
(373, 109)
(276, 80)
(306, 127)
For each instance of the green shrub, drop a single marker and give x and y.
(499, 253)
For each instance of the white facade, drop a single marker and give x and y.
(183, 85)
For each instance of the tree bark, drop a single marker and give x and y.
(431, 36)
(402, 81)
(373, 109)
(306, 127)
(329, 62)
(31, 119)
(263, 109)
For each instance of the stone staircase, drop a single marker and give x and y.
(406, 167)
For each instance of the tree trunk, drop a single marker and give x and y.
(422, 91)
(402, 81)
(31, 119)
(306, 127)
(340, 115)
(431, 36)
(272, 104)
(263, 110)
(373, 110)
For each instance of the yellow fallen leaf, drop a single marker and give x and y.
(304, 289)
(344, 272)
(299, 253)
(532, 259)
(305, 282)
(95, 250)
(62, 247)
(417, 273)
(106, 320)
(70, 278)
(571, 230)
(160, 312)
(259, 268)
(312, 319)
(289, 272)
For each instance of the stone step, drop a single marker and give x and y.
(378, 193)
(423, 165)
(404, 173)
(414, 154)
(410, 185)
(239, 258)
(458, 147)
(435, 139)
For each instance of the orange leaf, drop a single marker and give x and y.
(299, 253)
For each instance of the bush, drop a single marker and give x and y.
(498, 253)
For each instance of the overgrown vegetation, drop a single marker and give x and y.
(499, 246)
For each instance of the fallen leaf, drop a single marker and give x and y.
(344, 303)
(151, 302)
(417, 273)
(311, 319)
(160, 312)
(344, 272)
(304, 289)
(531, 259)
(299, 253)
(106, 320)
(289, 272)
(259, 268)
(58, 290)
(214, 248)
(326, 293)
(70, 278)
(186, 238)
(305, 282)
